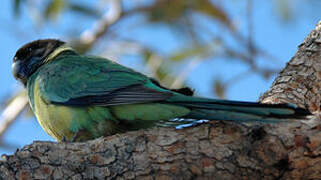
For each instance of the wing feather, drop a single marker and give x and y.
(82, 80)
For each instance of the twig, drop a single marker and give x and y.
(12, 111)
(178, 82)
(251, 49)
(99, 28)
(153, 64)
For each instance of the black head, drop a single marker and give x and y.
(31, 56)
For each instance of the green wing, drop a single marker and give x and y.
(84, 80)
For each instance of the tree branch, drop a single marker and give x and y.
(223, 150)
(300, 81)
(101, 26)
(12, 111)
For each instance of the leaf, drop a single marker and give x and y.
(207, 7)
(219, 88)
(164, 10)
(171, 11)
(54, 8)
(202, 50)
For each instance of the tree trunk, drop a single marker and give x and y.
(217, 150)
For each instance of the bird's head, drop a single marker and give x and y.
(32, 55)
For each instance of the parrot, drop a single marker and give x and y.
(80, 97)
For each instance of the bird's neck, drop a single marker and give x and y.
(58, 51)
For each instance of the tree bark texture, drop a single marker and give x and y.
(217, 150)
(300, 81)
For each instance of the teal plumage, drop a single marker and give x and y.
(77, 97)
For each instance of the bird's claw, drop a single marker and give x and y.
(73, 139)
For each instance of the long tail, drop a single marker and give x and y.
(213, 109)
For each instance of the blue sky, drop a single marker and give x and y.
(278, 37)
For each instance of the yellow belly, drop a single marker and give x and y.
(63, 122)
(54, 119)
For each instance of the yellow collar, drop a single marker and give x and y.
(56, 52)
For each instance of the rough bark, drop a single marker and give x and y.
(218, 150)
(300, 81)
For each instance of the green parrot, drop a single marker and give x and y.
(78, 98)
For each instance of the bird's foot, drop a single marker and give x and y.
(74, 137)
(64, 139)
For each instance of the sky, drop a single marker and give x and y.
(279, 37)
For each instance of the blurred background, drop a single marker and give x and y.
(229, 49)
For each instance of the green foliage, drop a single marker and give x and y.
(174, 10)
(54, 8)
(202, 51)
